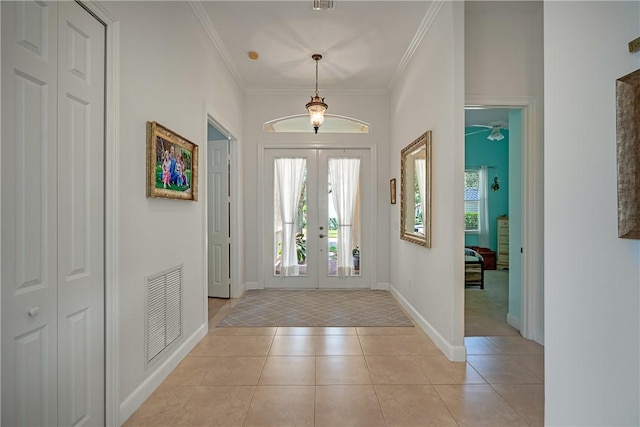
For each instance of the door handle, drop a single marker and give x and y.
(323, 235)
(33, 311)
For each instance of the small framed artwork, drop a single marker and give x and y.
(392, 190)
(172, 164)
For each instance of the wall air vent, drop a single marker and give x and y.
(163, 310)
(322, 5)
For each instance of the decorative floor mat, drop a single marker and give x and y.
(316, 308)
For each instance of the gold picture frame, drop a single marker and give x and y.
(628, 154)
(392, 190)
(172, 164)
(415, 191)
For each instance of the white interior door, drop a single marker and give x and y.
(301, 243)
(52, 215)
(218, 207)
(81, 57)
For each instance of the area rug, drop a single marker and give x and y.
(318, 308)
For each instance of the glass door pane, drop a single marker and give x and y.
(343, 196)
(290, 249)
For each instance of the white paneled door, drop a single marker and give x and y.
(316, 218)
(52, 163)
(218, 199)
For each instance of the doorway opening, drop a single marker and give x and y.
(493, 221)
(220, 173)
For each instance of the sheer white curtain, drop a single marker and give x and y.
(290, 174)
(421, 173)
(343, 175)
(483, 207)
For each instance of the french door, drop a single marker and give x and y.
(317, 227)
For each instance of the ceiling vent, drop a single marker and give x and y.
(322, 5)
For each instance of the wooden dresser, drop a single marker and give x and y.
(503, 243)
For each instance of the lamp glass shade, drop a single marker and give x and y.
(316, 111)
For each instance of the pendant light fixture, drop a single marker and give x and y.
(316, 106)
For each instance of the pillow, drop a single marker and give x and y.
(471, 252)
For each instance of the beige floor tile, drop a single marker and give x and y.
(232, 346)
(441, 370)
(293, 345)
(390, 345)
(395, 370)
(478, 405)
(502, 370)
(334, 331)
(527, 399)
(370, 330)
(334, 370)
(533, 363)
(289, 370)
(162, 406)
(264, 331)
(294, 330)
(480, 345)
(338, 345)
(348, 405)
(516, 345)
(190, 371)
(216, 406)
(277, 406)
(421, 345)
(222, 331)
(413, 405)
(234, 370)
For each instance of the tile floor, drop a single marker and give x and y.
(373, 376)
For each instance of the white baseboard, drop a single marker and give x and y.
(380, 286)
(144, 390)
(513, 321)
(251, 285)
(454, 353)
(238, 291)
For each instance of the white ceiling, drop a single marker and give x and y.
(365, 44)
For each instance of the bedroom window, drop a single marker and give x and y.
(471, 200)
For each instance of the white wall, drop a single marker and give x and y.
(169, 70)
(260, 108)
(504, 65)
(430, 96)
(592, 278)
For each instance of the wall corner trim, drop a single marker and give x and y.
(455, 353)
(132, 402)
(513, 321)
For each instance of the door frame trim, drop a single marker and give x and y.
(532, 303)
(373, 206)
(236, 289)
(111, 207)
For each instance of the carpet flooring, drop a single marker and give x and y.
(316, 308)
(486, 309)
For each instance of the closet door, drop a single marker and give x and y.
(29, 213)
(80, 178)
(52, 212)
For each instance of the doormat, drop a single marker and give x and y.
(316, 308)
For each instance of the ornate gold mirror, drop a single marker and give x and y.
(415, 191)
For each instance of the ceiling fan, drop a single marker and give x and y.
(493, 127)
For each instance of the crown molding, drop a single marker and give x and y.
(428, 19)
(207, 25)
(305, 91)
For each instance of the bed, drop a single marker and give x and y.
(473, 268)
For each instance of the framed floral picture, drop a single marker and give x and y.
(172, 164)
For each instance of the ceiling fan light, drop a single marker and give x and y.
(495, 135)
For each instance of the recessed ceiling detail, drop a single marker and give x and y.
(332, 124)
